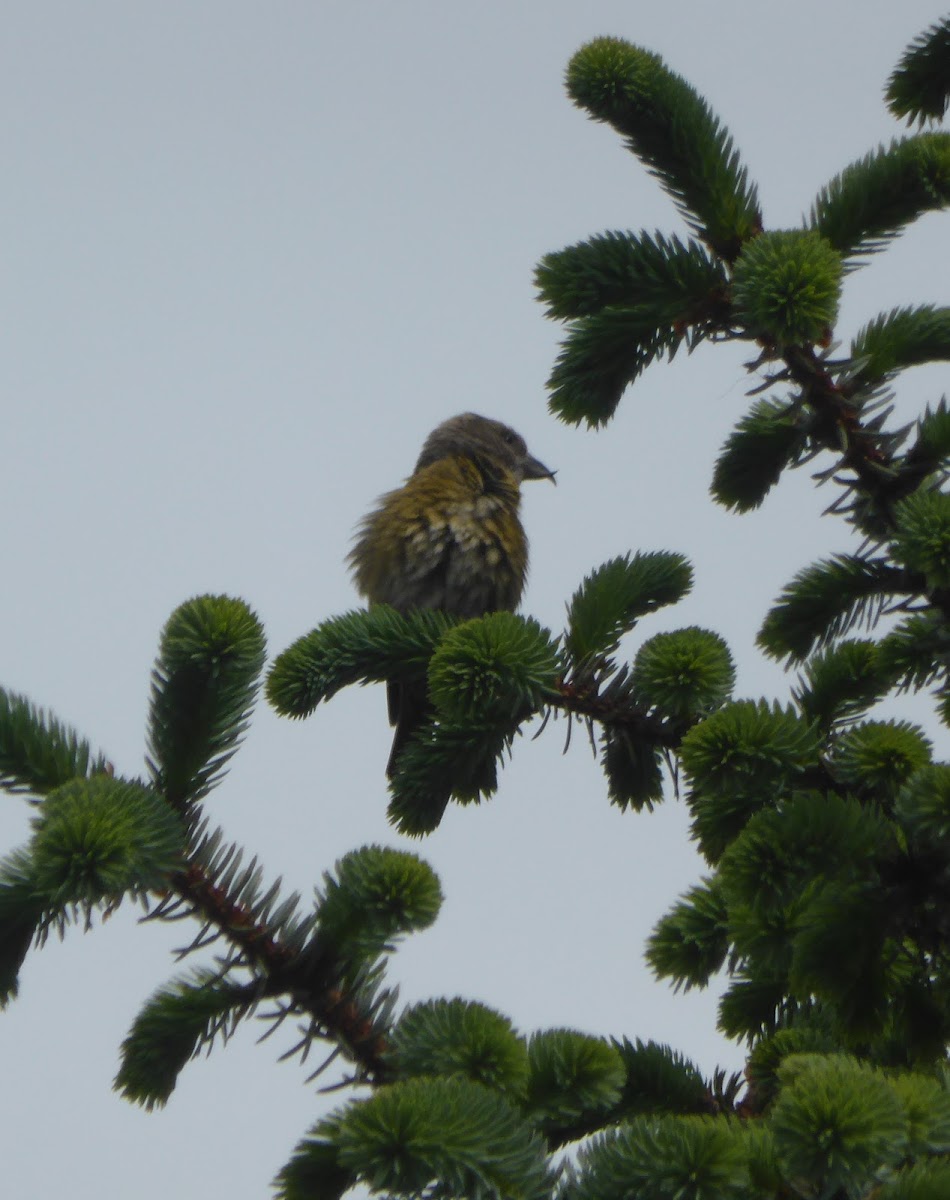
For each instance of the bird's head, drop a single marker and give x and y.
(486, 441)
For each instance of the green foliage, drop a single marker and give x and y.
(826, 600)
(750, 1007)
(94, 842)
(601, 356)
(836, 1124)
(811, 836)
(573, 1080)
(904, 337)
(877, 757)
(921, 1181)
(368, 646)
(219, 867)
(927, 1109)
(739, 760)
(486, 676)
(916, 651)
(680, 283)
(763, 938)
(98, 839)
(460, 1038)
(772, 436)
(177, 1023)
(448, 760)
(923, 808)
(768, 1054)
(21, 911)
(37, 753)
(786, 287)
(374, 896)
(841, 683)
(932, 447)
(691, 1158)
(411, 1135)
(633, 764)
(612, 599)
(873, 199)
(203, 688)
(922, 535)
(672, 130)
(839, 955)
(630, 299)
(685, 674)
(689, 945)
(920, 84)
(659, 1080)
(498, 666)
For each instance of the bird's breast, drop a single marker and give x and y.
(444, 541)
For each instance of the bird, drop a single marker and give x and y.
(450, 538)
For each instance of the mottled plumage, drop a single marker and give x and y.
(449, 538)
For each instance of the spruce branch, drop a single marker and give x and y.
(876, 758)
(826, 600)
(684, 674)
(177, 1023)
(320, 984)
(633, 764)
(418, 1133)
(669, 126)
(844, 423)
(786, 287)
(931, 450)
(98, 840)
(837, 1124)
(365, 646)
(460, 1038)
(919, 87)
(659, 1079)
(493, 667)
(755, 1006)
(679, 282)
(665, 1156)
(602, 355)
(842, 682)
(904, 337)
(812, 834)
(614, 597)
(766, 1057)
(773, 435)
(923, 808)
(373, 897)
(575, 1083)
(916, 652)
(690, 943)
(203, 688)
(37, 752)
(873, 199)
(322, 968)
(740, 760)
(922, 536)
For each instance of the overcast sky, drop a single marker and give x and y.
(252, 254)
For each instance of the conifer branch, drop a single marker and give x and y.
(313, 979)
(919, 88)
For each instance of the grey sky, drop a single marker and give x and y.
(252, 255)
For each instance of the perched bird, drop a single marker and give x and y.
(449, 538)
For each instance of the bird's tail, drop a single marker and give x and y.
(407, 712)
